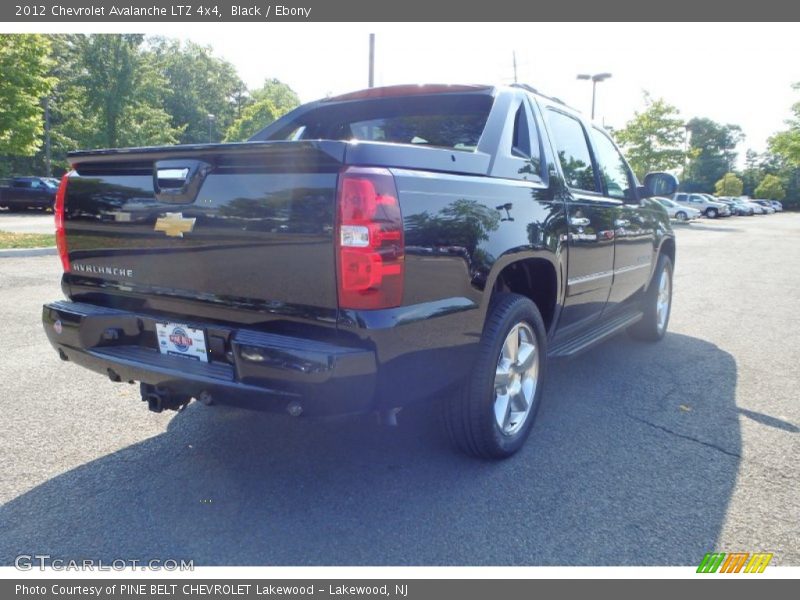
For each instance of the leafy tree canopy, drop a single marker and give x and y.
(24, 83)
(271, 101)
(787, 143)
(280, 94)
(713, 152)
(771, 188)
(254, 118)
(653, 140)
(200, 88)
(729, 185)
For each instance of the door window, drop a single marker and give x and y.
(573, 151)
(612, 167)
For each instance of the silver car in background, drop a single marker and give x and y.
(702, 203)
(677, 211)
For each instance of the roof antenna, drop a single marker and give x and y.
(514, 59)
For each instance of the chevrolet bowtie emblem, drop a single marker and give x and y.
(174, 225)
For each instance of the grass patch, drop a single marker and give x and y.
(26, 240)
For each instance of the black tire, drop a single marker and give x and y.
(711, 213)
(469, 414)
(681, 216)
(652, 328)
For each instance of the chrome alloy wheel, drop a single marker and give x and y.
(663, 300)
(515, 379)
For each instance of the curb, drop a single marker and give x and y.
(25, 252)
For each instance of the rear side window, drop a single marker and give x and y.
(521, 142)
(573, 151)
(454, 121)
(613, 170)
(22, 183)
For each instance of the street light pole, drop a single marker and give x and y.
(211, 119)
(595, 78)
(371, 60)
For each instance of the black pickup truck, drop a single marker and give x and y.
(361, 253)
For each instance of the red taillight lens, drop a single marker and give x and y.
(369, 241)
(61, 234)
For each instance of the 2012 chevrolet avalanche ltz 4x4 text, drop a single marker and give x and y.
(393, 245)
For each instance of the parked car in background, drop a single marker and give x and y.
(678, 211)
(741, 207)
(20, 193)
(776, 205)
(729, 203)
(701, 202)
(766, 206)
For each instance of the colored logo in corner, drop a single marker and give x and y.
(734, 562)
(180, 340)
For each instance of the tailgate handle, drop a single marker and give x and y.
(178, 181)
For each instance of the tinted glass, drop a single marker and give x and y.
(444, 120)
(612, 167)
(573, 151)
(521, 144)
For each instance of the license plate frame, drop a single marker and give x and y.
(179, 339)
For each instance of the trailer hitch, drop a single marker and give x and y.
(160, 398)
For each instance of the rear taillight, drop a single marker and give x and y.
(369, 240)
(61, 234)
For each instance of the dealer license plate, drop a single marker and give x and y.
(181, 340)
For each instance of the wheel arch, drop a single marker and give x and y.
(535, 278)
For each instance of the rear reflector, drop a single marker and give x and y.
(369, 241)
(61, 234)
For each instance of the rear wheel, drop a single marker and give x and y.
(656, 304)
(493, 415)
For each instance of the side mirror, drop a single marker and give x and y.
(659, 184)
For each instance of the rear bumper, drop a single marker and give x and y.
(246, 367)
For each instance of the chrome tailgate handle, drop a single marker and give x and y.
(178, 181)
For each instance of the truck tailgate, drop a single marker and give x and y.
(249, 225)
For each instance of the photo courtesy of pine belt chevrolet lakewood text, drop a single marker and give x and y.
(434, 243)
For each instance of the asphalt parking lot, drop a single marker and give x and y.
(642, 454)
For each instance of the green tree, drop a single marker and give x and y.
(787, 143)
(653, 140)
(752, 172)
(201, 87)
(123, 86)
(729, 185)
(271, 101)
(254, 118)
(712, 152)
(280, 94)
(771, 187)
(24, 82)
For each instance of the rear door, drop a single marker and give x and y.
(20, 192)
(633, 227)
(590, 217)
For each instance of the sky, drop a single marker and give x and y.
(732, 73)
